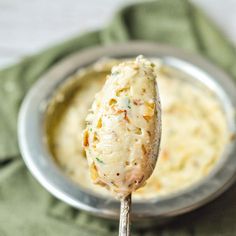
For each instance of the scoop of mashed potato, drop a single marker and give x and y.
(122, 135)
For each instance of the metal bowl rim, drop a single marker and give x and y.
(28, 121)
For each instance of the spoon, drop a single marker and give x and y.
(125, 209)
(123, 132)
(125, 205)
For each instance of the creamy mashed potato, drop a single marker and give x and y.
(194, 131)
(122, 134)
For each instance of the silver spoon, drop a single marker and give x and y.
(125, 206)
(125, 209)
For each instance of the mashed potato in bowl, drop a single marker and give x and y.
(194, 130)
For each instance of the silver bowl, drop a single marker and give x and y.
(44, 169)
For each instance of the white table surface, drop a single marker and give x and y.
(26, 26)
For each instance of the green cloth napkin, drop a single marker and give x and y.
(29, 210)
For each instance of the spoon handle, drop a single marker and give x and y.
(125, 208)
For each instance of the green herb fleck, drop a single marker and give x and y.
(115, 73)
(128, 103)
(99, 160)
(152, 64)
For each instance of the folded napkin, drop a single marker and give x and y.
(26, 208)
